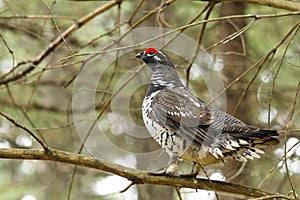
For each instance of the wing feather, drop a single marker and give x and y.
(179, 111)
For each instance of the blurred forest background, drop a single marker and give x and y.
(62, 63)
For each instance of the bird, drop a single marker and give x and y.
(190, 130)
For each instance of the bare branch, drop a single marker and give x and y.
(51, 47)
(43, 144)
(281, 4)
(136, 176)
(285, 141)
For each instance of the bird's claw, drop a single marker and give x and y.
(161, 173)
(192, 175)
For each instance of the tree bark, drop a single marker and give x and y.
(136, 176)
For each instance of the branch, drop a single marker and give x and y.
(281, 4)
(43, 144)
(52, 46)
(136, 176)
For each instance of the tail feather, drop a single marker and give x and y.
(258, 137)
(247, 145)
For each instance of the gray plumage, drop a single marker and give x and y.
(187, 128)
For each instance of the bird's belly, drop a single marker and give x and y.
(199, 155)
(172, 142)
(176, 146)
(166, 138)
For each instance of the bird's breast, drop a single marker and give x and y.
(164, 136)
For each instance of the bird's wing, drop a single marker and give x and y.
(184, 114)
(239, 130)
(238, 140)
(228, 123)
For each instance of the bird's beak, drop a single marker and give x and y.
(139, 55)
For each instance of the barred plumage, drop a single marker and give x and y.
(189, 129)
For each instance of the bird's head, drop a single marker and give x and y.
(154, 56)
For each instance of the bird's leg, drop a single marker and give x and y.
(193, 173)
(169, 170)
(195, 169)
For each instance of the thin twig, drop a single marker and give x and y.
(56, 27)
(11, 52)
(295, 30)
(43, 144)
(31, 17)
(276, 164)
(189, 22)
(127, 187)
(199, 41)
(176, 30)
(285, 141)
(275, 196)
(177, 189)
(260, 62)
(51, 47)
(24, 112)
(282, 4)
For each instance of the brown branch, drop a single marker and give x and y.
(52, 46)
(32, 134)
(281, 4)
(74, 27)
(136, 176)
(285, 139)
(31, 17)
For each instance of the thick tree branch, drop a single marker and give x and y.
(281, 4)
(136, 176)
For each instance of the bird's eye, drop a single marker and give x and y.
(151, 52)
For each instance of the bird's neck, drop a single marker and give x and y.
(162, 79)
(165, 77)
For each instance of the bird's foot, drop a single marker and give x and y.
(167, 171)
(194, 172)
(192, 175)
(160, 173)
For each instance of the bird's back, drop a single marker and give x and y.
(186, 127)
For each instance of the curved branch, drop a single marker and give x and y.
(52, 46)
(281, 4)
(41, 142)
(136, 176)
